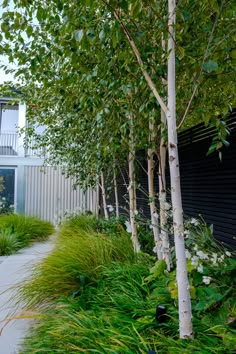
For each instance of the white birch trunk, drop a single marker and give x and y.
(185, 313)
(166, 254)
(116, 194)
(104, 197)
(151, 189)
(132, 188)
(97, 201)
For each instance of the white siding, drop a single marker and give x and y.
(49, 195)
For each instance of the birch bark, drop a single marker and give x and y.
(116, 193)
(151, 189)
(185, 314)
(162, 195)
(104, 197)
(132, 188)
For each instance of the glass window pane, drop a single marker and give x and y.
(9, 121)
(7, 184)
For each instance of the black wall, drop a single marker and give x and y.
(208, 184)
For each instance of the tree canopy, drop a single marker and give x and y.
(76, 67)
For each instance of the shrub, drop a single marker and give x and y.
(27, 228)
(8, 242)
(5, 206)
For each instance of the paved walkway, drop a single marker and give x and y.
(14, 269)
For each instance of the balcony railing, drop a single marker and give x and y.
(8, 144)
(12, 145)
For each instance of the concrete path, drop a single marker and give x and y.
(13, 270)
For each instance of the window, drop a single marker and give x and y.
(9, 118)
(7, 185)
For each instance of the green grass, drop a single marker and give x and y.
(8, 242)
(79, 257)
(19, 231)
(91, 297)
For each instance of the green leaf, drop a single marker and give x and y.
(233, 53)
(158, 268)
(136, 8)
(41, 14)
(210, 66)
(214, 5)
(211, 149)
(181, 52)
(5, 27)
(29, 31)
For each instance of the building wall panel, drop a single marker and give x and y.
(49, 194)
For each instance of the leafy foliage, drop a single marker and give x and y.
(112, 309)
(78, 71)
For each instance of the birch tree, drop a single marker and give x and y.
(132, 185)
(116, 192)
(77, 59)
(152, 150)
(164, 206)
(104, 199)
(185, 313)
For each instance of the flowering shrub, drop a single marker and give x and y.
(5, 206)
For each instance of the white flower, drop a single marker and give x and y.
(128, 227)
(206, 279)
(187, 254)
(194, 221)
(195, 248)
(194, 261)
(228, 254)
(3, 198)
(167, 206)
(200, 268)
(187, 233)
(221, 258)
(136, 212)
(202, 255)
(110, 208)
(150, 226)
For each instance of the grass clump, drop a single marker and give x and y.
(8, 242)
(19, 231)
(95, 296)
(79, 258)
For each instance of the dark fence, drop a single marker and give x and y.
(208, 183)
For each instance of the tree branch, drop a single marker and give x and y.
(140, 62)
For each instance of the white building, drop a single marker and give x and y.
(32, 188)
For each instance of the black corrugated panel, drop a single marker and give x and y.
(208, 184)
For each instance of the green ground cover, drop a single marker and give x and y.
(92, 294)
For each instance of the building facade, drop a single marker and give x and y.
(27, 185)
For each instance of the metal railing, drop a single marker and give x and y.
(8, 144)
